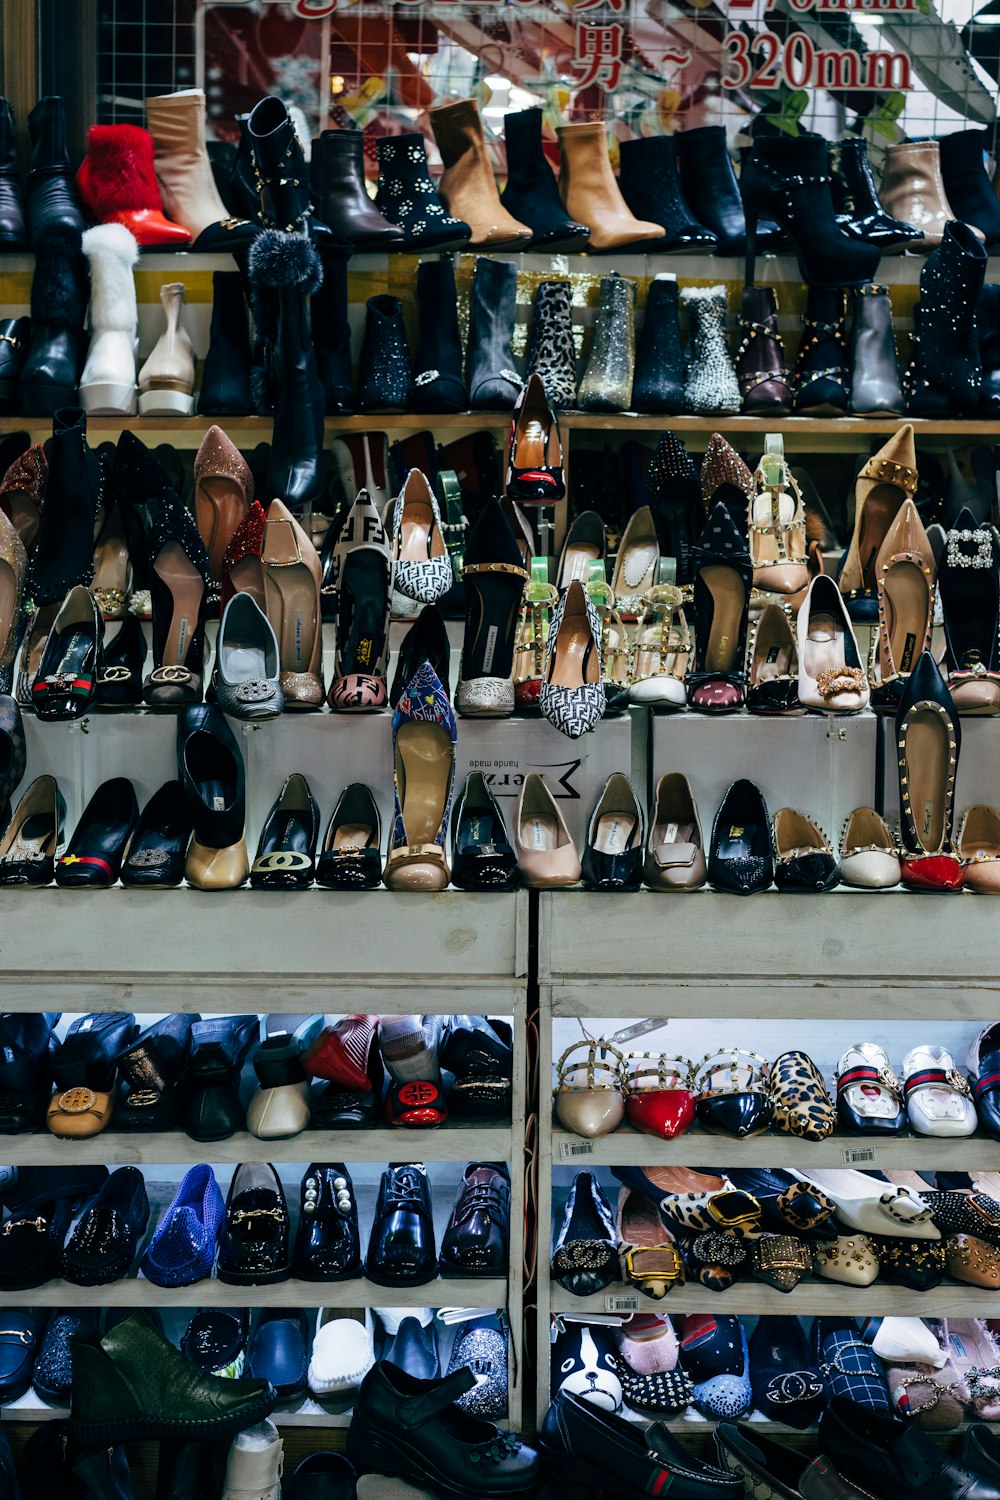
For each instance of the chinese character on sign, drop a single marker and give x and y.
(599, 55)
(616, 5)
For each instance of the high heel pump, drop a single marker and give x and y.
(904, 574)
(424, 734)
(292, 580)
(723, 579)
(494, 580)
(535, 461)
(362, 575)
(223, 491)
(73, 660)
(573, 697)
(211, 768)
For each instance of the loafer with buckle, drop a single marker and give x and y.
(84, 1069)
(254, 1249)
(869, 1095)
(20, 1333)
(938, 1098)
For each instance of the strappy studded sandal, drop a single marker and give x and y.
(538, 602)
(776, 523)
(658, 1096)
(590, 1088)
(732, 1093)
(662, 651)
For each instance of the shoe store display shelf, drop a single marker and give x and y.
(811, 1300)
(487, 1293)
(697, 1148)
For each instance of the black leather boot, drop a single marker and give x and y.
(46, 1464)
(186, 1471)
(821, 370)
(788, 179)
(225, 379)
(551, 352)
(969, 190)
(285, 270)
(493, 378)
(281, 171)
(946, 360)
(875, 385)
(63, 554)
(15, 340)
(60, 291)
(708, 182)
(438, 383)
(50, 194)
(385, 376)
(105, 1474)
(337, 174)
(12, 231)
(331, 332)
(658, 385)
(988, 325)
(242, 196)
(651, 186)
(856, 201)
(532, 194)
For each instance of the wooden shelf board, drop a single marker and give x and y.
(810, 1298)
(132, 1291)
(697, 1148)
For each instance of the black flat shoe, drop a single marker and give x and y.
(286, 853)
(95, 852)
(28, 847)
(210, 765)
(120, 682)
(585, 1254)
(27, 1043)
(616, 839)
(328, 1242)
(102, 1247)
(412, 1430)
(216, 1340)
(482, 856)
(52, 1374)
(739, 1104)
(73, 660)
(159, 845)
(401, 1246)
(787, 1386)
(213, 1110)
(740, 856)
(803, 859)
(151, 1070)
(254, 1245)
(351, 857)
(19, 1340)
(478, 1053)
(279, 1351)
(426, 640)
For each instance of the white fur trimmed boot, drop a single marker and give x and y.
(107, 385)
(253, 1468)
(166, 380)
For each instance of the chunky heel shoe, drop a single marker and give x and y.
(26, 1047)
(723, 579)
(362, 575)
(158, 847)
(928, 741)
(424, 734)
(494, 579)
(73, 660)
(279, 1108)
(211, 769)
(212, 1109)
(95, 852)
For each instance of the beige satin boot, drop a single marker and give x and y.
(166, 380)
(913, 190)
(468, 188)
(590, 191)
(177, 124)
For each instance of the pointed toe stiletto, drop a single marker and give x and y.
(426, 640)
(545, 850)
(424, 734)
(482, 856)
(422, 567)
(292, 578)
(662, 650)
(13, 567)
(613, 856)
(223, 490)
(351, 857)
(211, 768)
(904, 577)
(831, 677)
(286, 853)
(73, 660)
(886, 480)
(741, 855)
(362, 576)
(573, 697)
(777, 527)
(535, 458)
(723, 576)
(589, 1095)
(928, 741)
(95, 852)
(22, 493)
(637, 568)
(586, 542)
(241, 566)
(493, 577)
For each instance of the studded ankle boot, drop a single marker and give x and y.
(946, 360)
(760, 359)
(711, 384)
(821, 372)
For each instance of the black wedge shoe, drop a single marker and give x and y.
(741, 856)
(328, 1241)
(120, 682)
(96, 850)
(494, 578)
(161, 532)
(211, 768)
(212, 1108)
(26, 1047)
(351, 857)
(159, 845)
(286, 854)
(426, 640)
(585, 1254)
(34, 833)
(482, 856)
(73, 660)
(788, 179)
(616, 839)
(723, 578)
(152, 1071)
(969, 586)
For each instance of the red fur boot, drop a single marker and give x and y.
(118, 183)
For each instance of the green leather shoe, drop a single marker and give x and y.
(132, 1383)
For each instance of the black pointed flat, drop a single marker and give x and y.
(740, 856)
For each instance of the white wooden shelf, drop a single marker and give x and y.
(454, 1142)
(697, 1148)
(134, 1291)
(811, 1298)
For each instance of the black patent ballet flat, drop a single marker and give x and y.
(740, 856)
(732, 1097)
(73, 660)
(585, 1255)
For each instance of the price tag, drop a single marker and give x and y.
(573, 1150)
(624, 1302)
(858, 1156)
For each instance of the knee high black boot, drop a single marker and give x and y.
(286, 271)
(946, 359)
(63, 554)
(331, 332)
(60, 291)
(225, 379)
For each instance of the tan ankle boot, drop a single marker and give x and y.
(468, 188)
(590, 191)
(166, 380)
(177, 124)
(912, 181)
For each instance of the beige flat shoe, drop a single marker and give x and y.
(545, 851)
(675, 856)
(978, 848)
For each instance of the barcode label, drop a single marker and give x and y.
(858, 1156)
(623, 1303)
(572, 1150)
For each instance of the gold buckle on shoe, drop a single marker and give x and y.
(76, 1101)
(654, 1263)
